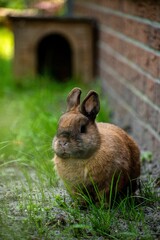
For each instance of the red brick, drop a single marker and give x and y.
(144, 110)
(124, 70)
(157, 94)
(158, 127)
(153, 118)
(148, 139)
(148, 86)
(120, 88)
(148, 61)
(154, 37)
(151, 89)
(155, 150)
(137, 131)
(137, 30)
(141, 109)
(145, 9)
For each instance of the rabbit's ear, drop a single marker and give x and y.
(91, 105)
(73, 99)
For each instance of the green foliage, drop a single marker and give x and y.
(146, 156)
(17, 4)
(6, 44)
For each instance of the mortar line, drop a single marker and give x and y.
(128, 39)
(128, 85)
(134, 114)
(125, 60)
(120, 14)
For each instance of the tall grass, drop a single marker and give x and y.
(29, 111)
(34, 204)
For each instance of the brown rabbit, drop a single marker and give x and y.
(89, 154)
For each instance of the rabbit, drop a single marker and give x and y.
(89, 155)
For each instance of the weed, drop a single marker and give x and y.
(146, 156)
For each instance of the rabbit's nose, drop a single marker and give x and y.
(63, 143)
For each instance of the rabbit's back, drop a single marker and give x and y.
(119, 146)
(122, 153)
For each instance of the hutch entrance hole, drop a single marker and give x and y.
(54, 57)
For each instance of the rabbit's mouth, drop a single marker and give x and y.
(62, 154)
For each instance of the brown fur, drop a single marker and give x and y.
(87, 152)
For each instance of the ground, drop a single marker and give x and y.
(31, 208)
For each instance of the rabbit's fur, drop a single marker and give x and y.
(89, 153)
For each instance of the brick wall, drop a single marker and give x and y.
(129, 63)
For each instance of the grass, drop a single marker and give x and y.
(33, 203)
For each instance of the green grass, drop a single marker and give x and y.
(33, 203)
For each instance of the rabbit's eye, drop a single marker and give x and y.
(83, 129)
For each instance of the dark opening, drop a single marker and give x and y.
(55, 57)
